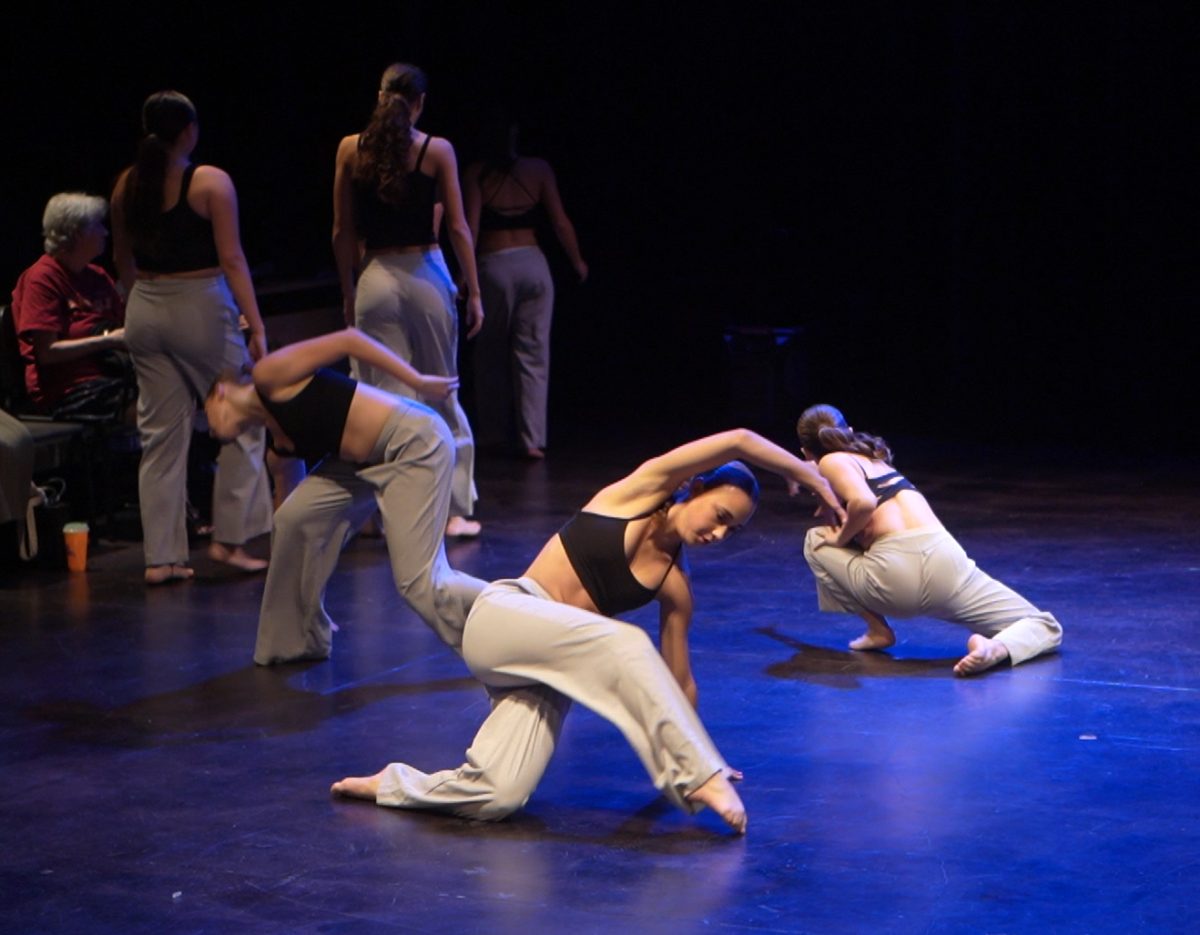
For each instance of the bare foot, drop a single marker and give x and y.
(236, 557)
(535, 454)
(719, 795)
(359, 787)
(161, 574)
(879, 634)
(982, 654)
(461, 526)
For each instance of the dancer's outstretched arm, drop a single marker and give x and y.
(291, 364)
(659, 477)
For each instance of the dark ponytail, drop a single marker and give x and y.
(823, 430)
(165, 116)
(383, 146)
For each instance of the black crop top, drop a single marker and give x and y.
(595, 547)
(492, 219)
(181, 241)
(886, 486)
(314, 420)
(382, 224)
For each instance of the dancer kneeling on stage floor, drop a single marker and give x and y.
(379, 450)
(546, 639)
(893, 557)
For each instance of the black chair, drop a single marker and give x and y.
(58, 446)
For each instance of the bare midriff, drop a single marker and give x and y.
(906, 511)
(407, 248)
(495, 241)
(184, 274)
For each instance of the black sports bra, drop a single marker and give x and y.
(493, 219)
(179, 241)
(409, 223)
(314, 420)
(595, 547)
(886, 486)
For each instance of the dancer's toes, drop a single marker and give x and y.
(159, 574)
(236, 557)
(719, 795)
(358, 787)
(982, 654)
(874, 640)
(463, 527)
(163, 574)
(534, 453)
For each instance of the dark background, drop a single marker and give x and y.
(981, 216)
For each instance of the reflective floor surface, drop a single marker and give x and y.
(154, 780)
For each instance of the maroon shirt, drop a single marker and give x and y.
(52, 299)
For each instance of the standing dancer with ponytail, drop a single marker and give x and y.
(386, 184)
(893, 557)
(179, 253)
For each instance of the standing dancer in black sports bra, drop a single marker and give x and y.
(508, 196)
(386, 186)
(544, 640)
(178, 252)
(379, 450)
(893, 557)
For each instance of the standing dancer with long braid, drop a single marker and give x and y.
(387, 183)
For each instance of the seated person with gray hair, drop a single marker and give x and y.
(69, 317)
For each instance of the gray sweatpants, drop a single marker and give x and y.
(512, 351)
(181, 334)
(405, 301)
(926, 573)
(408, 479)
(537, 656)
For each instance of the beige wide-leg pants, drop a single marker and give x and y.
(512, 351)
(181, 334)
(409, 481)
(926, 573)
(537, 656)
(405, 301)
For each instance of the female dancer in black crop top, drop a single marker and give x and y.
(375, 450)
(179, 254)
(540, 642)
(507, 197)
(893, 557)
(388, 184)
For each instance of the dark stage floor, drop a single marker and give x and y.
(155, 781)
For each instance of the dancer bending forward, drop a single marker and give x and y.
(546, 639)
(378, 450)
(893, 557)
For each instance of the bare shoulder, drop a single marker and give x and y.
(838, 462)
(347, 148)
(535, 165)
(210, 178)
(440, 146)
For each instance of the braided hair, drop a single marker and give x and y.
(384, 145)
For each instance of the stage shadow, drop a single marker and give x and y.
(844, 668)
(657, 827)
(255, 701)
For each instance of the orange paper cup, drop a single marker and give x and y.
(76, 537)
